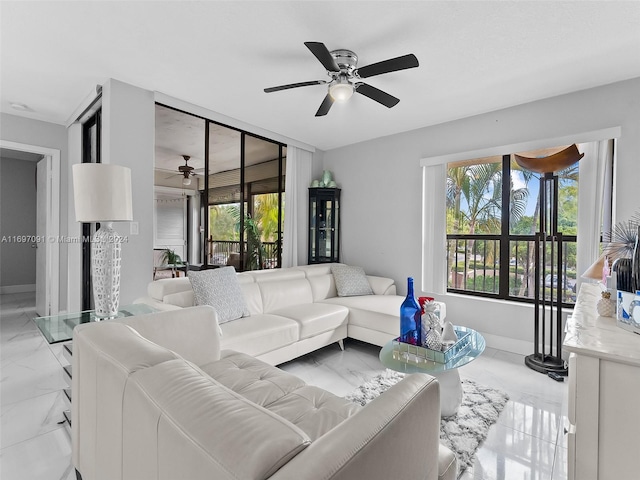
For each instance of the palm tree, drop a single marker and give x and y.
(265, 213)
(255, 251)
(480, 186)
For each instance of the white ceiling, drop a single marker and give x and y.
(475, 56)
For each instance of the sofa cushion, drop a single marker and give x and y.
(253, 379)
(220, 289)
(252, 296)
(322, 286)
(350, 281)
(313, 410)
(166, 286)
(259, 334)
(181, 299)
(185, 418)
(375, 312)
(275, 274)
(315, 318)
(278, 294)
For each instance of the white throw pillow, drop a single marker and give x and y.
(350, 281)
(219, 287)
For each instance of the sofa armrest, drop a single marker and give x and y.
(396, 432)
(157, 304)
(193, 333)
(382, 285)
(105, 354)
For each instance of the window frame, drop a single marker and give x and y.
(204, 194)
(434, 268)
(505, 238)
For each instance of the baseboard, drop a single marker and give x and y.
(521, 347)
(17, 289)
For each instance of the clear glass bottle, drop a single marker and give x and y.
(410, 315)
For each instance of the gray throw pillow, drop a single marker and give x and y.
(219, 287)
(350, 281)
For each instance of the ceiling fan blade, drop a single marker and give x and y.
(322, 53)
(386, 66)
(294, 85)
(376, 94)
(325, 106)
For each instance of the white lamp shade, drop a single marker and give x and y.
(102, 192)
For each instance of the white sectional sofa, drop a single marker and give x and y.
(294, 311)
(155, 398)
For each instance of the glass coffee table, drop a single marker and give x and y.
(59, 328)
(446, 373)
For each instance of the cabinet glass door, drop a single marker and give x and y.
(323, 225)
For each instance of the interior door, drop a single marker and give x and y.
(43, 189)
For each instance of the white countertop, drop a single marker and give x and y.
(587, 333)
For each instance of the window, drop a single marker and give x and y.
(234, 171)
(492, 215)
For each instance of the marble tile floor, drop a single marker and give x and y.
(526, 443)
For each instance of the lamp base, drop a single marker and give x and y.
(545, 363)
(106, 247)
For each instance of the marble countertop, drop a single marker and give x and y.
(587, 333)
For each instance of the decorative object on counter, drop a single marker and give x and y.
(606, 307)
(635, 263)
(449, 336)
(431, 328)
(621, 247)
(622, 270)
(628, 312)
(634, 310)
(410, 316)
(432, 339)
(430, 304)
(326, 181)
(417, 354)
(596, 270)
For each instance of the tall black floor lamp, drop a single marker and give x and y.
(547, 356)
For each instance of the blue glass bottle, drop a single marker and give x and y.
(410, 314)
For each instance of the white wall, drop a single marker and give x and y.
(48, 135)
(18, 213)
(128, 139)
(381, 184)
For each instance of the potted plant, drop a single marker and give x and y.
(170, 257)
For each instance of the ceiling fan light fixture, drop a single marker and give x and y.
(341, 91)
(186, 181)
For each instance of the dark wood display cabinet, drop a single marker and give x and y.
(324, 225)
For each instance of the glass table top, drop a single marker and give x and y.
(393, 361)
(59, 328)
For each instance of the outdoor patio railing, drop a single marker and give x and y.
(220, 250)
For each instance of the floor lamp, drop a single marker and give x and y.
(548, 263)
(102, 193)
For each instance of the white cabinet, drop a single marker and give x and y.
(604, 394)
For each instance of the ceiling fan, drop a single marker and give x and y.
(342, 67)
(186, 170)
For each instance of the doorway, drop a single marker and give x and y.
(45, 239)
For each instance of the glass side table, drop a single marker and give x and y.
(59, 328)
(446, 373)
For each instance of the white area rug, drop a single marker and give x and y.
(463, 432)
